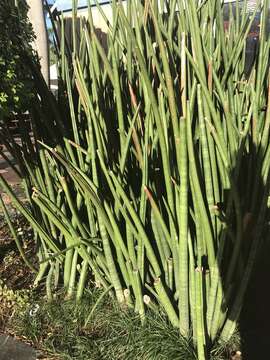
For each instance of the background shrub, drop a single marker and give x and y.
(16, 35)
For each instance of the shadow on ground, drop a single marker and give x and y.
(255, 317)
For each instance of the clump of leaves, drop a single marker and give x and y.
(112, 333)
(11, 302)
(156, 339)
(57, 327)
(16, 35)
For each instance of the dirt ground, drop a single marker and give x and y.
(13, 271)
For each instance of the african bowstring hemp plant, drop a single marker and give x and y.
(143, 177)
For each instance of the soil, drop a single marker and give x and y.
(13, 271)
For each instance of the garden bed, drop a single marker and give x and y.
(147, 215)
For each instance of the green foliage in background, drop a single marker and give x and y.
(15, 37)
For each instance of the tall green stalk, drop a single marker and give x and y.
(140, 173)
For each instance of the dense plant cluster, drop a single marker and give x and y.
(15, 36)
(149, 175)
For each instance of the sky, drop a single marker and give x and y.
(67, 4)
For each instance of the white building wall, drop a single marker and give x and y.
(100, 23)
(98, 18)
